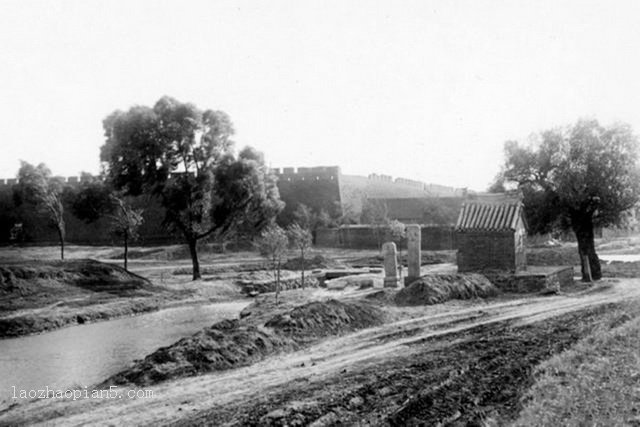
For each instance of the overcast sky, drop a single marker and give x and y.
(428, 90)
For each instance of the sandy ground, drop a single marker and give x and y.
(176, 400)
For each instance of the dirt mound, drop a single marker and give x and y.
(316, 262)
(320, 318)
(67, 291)
(225, 345)
(434, 289)
(234, 343)
(55, 279)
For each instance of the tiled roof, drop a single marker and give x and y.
(490, 216)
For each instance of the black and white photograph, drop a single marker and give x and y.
(320, 213)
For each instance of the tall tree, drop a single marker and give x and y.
(37, 186)
(184, 156)
(585, 176)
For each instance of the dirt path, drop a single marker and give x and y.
(218, 396)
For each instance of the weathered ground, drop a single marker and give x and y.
(44, 295)
(462, 361)
(40, 293)
(37, 295)
(454, 363)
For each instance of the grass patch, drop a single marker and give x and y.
(561, 255)
(437, 288)
(621, 269)
(593, 383)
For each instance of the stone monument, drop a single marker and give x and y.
(414, 256)
(390, 265)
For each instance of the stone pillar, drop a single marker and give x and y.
(390, 265)
(414, 255)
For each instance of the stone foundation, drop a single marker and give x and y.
(534, 279)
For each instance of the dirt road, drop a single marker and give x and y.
(327, 378)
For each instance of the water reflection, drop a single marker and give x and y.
(85, 355)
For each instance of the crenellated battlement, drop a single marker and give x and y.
(69, 180)
(317, 173)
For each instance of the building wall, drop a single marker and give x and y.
(520, 248)
(484, 250)
(318, 188)
(371, 237)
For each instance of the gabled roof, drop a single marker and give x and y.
(494, 213)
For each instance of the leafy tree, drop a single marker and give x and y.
(435, 212)
(37, 186)
(96, 200)
(374, 211)
(92, 201)
(310, 220)
(300, 239)
(303, 216)
(585, 176)
(498, 184)
(272, 245)
(10, 222)
(184, 156)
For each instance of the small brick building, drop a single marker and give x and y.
(490, 234)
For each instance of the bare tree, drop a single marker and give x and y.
(300, 239)
(125, 221)
(272, 245)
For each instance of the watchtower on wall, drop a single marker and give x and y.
(317, 187)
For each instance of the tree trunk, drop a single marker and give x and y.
(278, 282)
(61, 238)
(302, 258)
(194, 258)
(126, 248)
(586, 247)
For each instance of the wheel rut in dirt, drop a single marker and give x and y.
(467, 377)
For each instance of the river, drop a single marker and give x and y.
(84, 355)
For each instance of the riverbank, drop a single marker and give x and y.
(38, 296)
